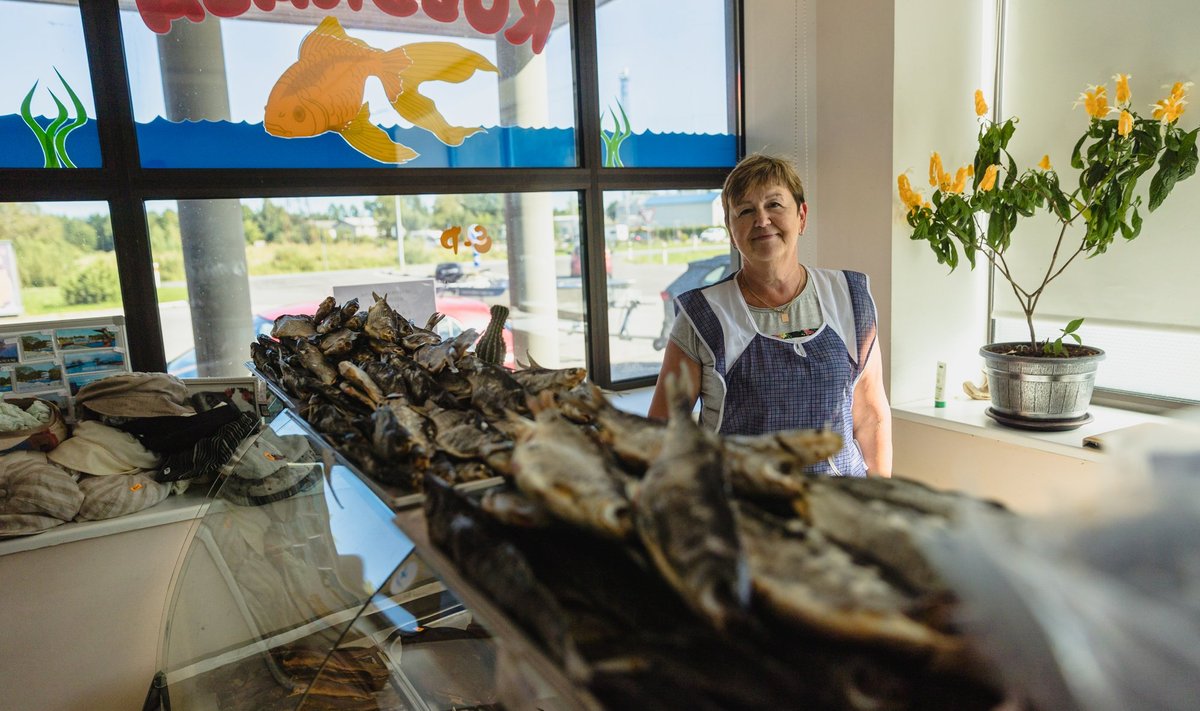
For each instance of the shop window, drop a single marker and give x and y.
(658, 245)
(654, 117)
(353, 86)
(61, 322)
(244, 263)
(47, 115)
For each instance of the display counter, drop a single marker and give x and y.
(327, 595)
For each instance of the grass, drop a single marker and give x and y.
(263, 259)
(675, 255)
(42, 300)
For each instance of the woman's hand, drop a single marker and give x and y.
(873, 416)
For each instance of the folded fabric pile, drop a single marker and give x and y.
(138, 439)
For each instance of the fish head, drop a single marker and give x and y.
(288, 114)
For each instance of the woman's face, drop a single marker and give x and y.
(765, 224)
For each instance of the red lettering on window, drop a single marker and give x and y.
(397, 8)
(227, 8)
(159, 14)
(441, 10)
(489, 22)
(326, 4)
(535, 22)
(265, 5)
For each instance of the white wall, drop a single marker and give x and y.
(80, 623)
(858, 92)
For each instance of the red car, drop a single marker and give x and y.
(461, 313)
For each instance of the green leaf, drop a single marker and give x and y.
(1076, 161)
(1073, 326)
(1164, 180)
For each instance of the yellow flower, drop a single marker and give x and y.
(1123, 93)
(935, 168)
(1125, 124)
(1179, 88)
(1095, 101)
(911, 198)
(989, 178)
(1169, 110)
(1044, 163)
(960, 179)
(981, 106)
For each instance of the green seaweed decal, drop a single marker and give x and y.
(53, 138)
(613, 140)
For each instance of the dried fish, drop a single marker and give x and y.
(293, 326)
(357, 377)
(312, 359)
(881, 518)
(381, 320)
(560, 468)
(536, 380)
(493, 390)
(683, 518)
(338, 342)
(436, 357)
(512, 508)
(326, 307)
(804, 577)
(337, 318)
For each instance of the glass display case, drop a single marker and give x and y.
(300, 588)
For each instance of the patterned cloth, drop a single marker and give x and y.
(771, 384)
(208, 455)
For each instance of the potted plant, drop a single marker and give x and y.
(1048, 384)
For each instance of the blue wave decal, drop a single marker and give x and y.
(22, 149)
(219, 144)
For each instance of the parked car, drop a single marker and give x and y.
(701, 272)
(577, 264)
(461, 313)
(448, 272)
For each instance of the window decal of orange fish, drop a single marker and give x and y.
(323, 90)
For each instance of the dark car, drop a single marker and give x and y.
(448, 272)
(701, 272)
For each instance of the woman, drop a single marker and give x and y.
(780, 345)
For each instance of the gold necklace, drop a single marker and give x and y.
(781, 309)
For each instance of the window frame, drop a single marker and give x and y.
(126, 186)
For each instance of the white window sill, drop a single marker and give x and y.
(968, 417)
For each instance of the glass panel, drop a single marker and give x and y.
(57, 262)
(1139, 299)
(286, 556)
(245, 263)
(376, 84)
(661, 243)
(666, 72)
(47, 118)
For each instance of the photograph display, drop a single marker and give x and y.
(52, 361)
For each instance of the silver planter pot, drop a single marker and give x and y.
(1040, 389)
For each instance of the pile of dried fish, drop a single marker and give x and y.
(663, 566)
(798, 591)
(397, 399)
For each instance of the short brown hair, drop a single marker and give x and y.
(755, 170)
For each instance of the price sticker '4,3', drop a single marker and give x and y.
(477, 236)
